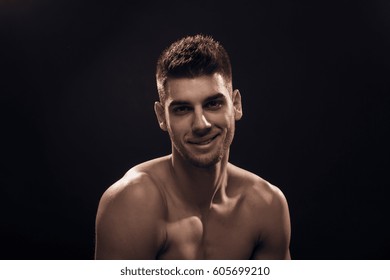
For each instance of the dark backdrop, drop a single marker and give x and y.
(77, 92)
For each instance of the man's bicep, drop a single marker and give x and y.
(128, 225)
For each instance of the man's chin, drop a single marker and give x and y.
(205, 162)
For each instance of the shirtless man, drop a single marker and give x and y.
(193, 203)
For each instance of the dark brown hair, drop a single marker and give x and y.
(190, 57)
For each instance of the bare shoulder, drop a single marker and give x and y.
(133, 188)
(255, 189)
(129, 220)
(139, 185)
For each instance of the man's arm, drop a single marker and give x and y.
(274, 241)
(129, 221)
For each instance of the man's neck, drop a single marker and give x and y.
(200, 187)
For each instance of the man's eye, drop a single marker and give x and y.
(214, 104)
(181, 109)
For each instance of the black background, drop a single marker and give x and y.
(77, 92)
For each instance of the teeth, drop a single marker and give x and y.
(205, 142)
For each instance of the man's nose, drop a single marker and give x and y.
(200, 123)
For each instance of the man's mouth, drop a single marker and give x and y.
(202, 141)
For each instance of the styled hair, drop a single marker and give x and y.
(191, 57)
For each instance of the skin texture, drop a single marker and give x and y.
(194, 204)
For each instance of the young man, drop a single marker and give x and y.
(194, 204)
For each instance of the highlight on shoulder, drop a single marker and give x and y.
(134, 186)
(256, 189)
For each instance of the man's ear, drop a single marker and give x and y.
(160, 114)
(237, 105)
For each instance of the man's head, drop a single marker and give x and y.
(197, 105)
(191, 57)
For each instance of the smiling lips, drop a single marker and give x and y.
(202, 141)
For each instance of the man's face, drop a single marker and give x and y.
(200, 115)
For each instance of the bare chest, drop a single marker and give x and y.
(228, 236)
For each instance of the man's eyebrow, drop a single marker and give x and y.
(178, 103)
(215, 96)
(182, 102)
